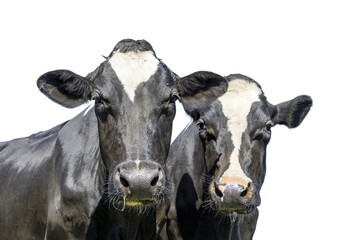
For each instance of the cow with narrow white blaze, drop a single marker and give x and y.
(217, 164)
(51, 182)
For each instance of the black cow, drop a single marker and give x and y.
(51, 182)
(217, 164)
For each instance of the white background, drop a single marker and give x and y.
(311, 189)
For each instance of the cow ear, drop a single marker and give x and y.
(293, 112)
(199, 89)
(65, 88)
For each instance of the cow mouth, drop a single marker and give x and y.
(224, 207)
(236, 211)
(121, 201)
(231, 208)
(139, 203)
(124, 204)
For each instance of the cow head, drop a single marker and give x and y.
(235, 133)
(134, 94)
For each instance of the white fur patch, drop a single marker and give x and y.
(137, 161)
(133, 68)
(236, 104)
(89, 108)
(181, 121)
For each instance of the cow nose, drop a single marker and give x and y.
(234, 188)
(140, 179)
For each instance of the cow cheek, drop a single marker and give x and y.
(257, 168)
(160, 141)
(110, 142)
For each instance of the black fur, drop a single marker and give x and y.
(291, 113)
(65, 87)
(129, 45)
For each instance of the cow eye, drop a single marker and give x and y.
(263, 133)
(173, 98)
(98, 99)
(201, 125)
(268, 127)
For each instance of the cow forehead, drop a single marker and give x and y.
(133, 68)
(236, 104)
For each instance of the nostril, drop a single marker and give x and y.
(244, 193)
(218, 192)
(155, 180)
(124, 182)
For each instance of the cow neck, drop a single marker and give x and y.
(81, 136)
(192, 157)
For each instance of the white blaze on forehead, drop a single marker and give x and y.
(133, 68)
(236, 104)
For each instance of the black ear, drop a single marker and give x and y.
(65, 87)
(198, 90)
(293, 112)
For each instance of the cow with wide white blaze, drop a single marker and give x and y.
(217, 164)
(51, 182)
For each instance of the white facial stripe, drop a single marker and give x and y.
(133, 68)
(236, 104)
(137, 161)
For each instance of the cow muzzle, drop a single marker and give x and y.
(234, 195)
(140, 182)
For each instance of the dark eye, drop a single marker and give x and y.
(98, 99)
(173, 99)
(268, 127)
(201, 125)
